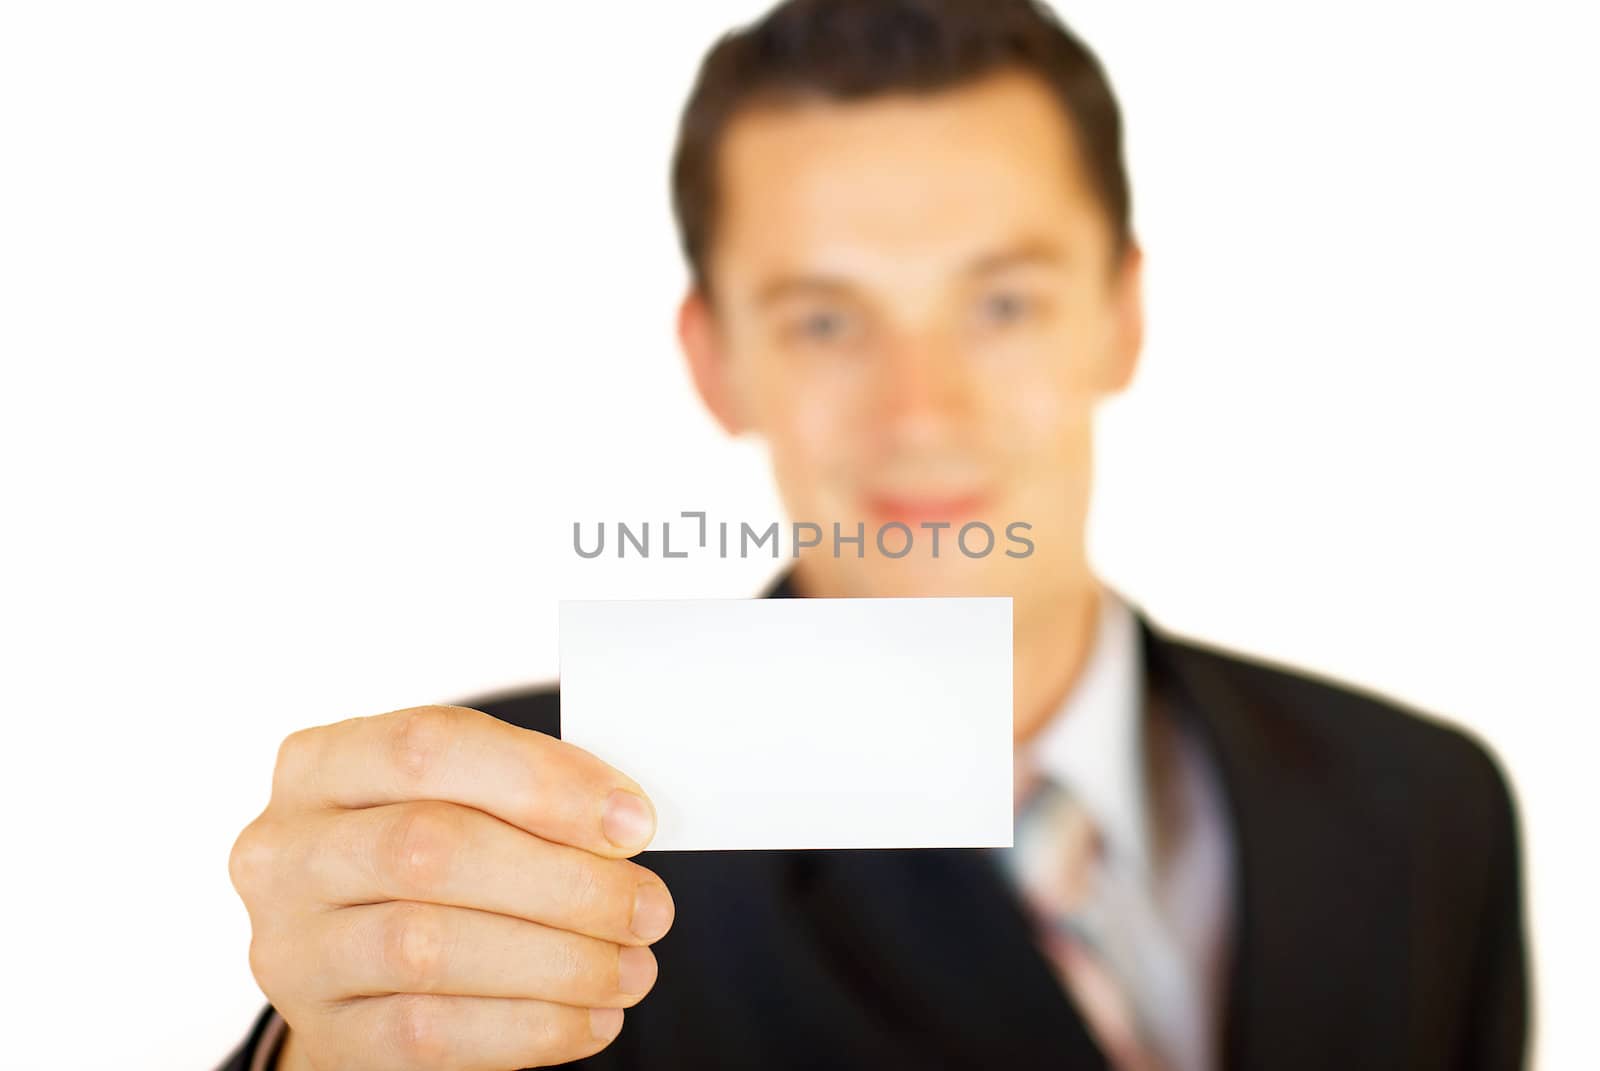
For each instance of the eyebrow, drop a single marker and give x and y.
(800, 286)
(1033, 252)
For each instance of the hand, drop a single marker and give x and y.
(434, 888)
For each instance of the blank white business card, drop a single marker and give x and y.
(800, 723)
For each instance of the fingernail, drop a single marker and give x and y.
(604, 1023)
(628, 823)
(652, 911)
(636, 970)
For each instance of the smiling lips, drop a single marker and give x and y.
(915, 509)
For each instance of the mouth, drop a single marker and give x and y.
(914, 509)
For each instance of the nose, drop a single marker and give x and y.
(924, 388)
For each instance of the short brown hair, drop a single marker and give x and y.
(851, 49)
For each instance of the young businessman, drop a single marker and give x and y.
(913, 275)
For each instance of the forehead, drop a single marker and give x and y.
(900, 182)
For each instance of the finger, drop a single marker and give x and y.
(407, 947)
(406, 1032)
(442, 853)
(534, 781)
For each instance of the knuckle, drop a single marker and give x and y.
(421, 739)
(251, 860)
(413, 947)
(527, 800)
(417, 1031)
(264, 962)
(575, 972)
(562, 1034)
(591, 893)
(295, 758)
(420, 846)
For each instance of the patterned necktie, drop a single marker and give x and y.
(1059, 864)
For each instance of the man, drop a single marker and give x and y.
(914, 276)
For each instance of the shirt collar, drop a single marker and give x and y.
(1093, 745)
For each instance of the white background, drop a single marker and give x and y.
(322, 322)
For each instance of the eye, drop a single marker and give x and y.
(1003, 307)
(821, 326)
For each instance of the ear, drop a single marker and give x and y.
(1127, 296)
(708, 364)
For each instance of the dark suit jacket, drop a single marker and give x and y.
(1379, 919)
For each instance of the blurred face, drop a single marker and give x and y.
(915, 302)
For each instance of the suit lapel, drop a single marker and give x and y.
(1316, 956)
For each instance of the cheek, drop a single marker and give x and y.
(810, 433)
(1039, 410)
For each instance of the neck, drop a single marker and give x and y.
(1050, 647)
